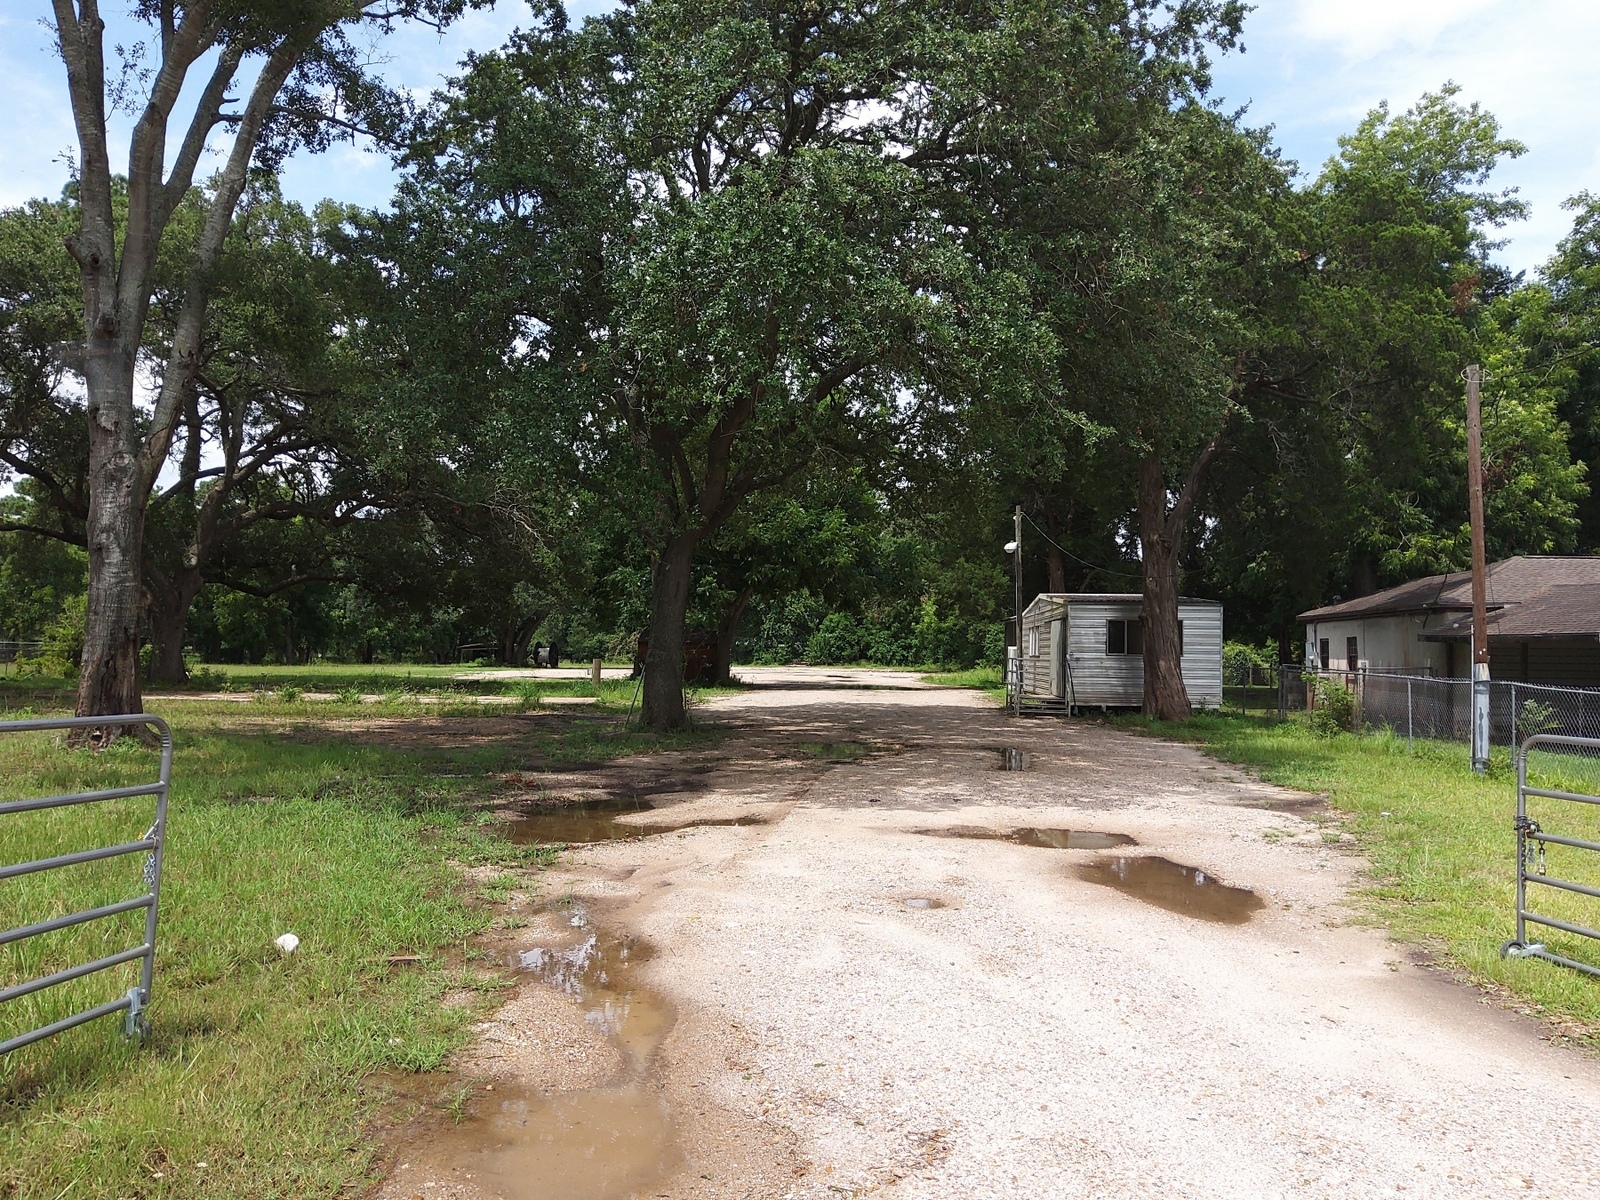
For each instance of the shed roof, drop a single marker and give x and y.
(1114, 598)
(1521, 581)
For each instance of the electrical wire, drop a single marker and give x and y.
(1083, 561)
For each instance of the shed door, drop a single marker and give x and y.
(1058, 647)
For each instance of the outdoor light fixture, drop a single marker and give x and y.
(1010, 547)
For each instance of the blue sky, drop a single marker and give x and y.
(1311, 69)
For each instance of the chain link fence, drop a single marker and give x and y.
(1419, 705)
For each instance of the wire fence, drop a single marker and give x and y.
(11, 651)
(1419, 705)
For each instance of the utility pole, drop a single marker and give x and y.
(1480, 581)
(1016, 564)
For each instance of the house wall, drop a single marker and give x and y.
(1563, 663)
(1117, 680)
(1385, 643)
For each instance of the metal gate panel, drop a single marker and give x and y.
(151, 845)
(1531, 843)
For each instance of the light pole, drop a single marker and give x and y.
(1014, 659)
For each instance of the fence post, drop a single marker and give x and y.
(1410, 738)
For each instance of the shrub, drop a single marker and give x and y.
(289, 694)
(1535, 717)
(348, 694)
(837, 640)
(1335, 710)
(1243, 664)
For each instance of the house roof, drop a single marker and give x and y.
(1568, 610)
(1529, 596)
(1110, 598)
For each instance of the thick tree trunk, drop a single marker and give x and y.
(669, 606)
(109, 680)
(167, 617)
(1056, 560)
(722, 667)
(1165, 697)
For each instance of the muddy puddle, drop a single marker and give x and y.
(1174, 887)
(609, 1142)
(600, 821)
(1013, 759)
(1046, 839)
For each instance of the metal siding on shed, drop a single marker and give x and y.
(1202, 653)
(1117, 680)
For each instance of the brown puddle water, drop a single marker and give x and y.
(1174, 887)
(596, 821)
(609, 1142)
(1046, 839)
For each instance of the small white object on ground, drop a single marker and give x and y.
(287, 943)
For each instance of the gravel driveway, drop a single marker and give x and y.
(1019, 1030)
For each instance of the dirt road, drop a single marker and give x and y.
(860, 1007)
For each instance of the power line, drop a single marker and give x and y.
(1083, 561)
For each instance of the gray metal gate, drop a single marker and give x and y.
(137, 999)
(1531, 843)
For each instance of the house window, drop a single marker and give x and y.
(1350, 655)
(1124, 637)
(1033, 643)
(1323, 661)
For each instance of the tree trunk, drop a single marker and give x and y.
(1165, 697)
(669, 606)
(722, 667)
(1058, 568)
(1056, 560)
(109, 680)
(167, 617)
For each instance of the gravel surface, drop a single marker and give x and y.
(1044, 1036)
(1036, 1034)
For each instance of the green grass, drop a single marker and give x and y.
(1440, 842)
(282, 820)
(985, 679)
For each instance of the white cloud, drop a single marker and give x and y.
(1315, 67)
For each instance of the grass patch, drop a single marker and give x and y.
(1440, 842)
(985, 679)
(285, 817)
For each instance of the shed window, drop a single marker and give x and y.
(1352, 659)
(1124, 637)
(1127, 637)
(1323, 661)
(1033, 643)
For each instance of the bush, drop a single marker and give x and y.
(1243, 664)
(1335, 710)
(837, 640)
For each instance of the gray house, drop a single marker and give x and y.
(1086, 649)
(1543, 620)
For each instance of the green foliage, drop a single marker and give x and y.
(1244, 664)
(1536, 717)
(1334, 708)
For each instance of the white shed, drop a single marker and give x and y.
(1087, 650)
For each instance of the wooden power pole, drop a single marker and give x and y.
(1480, 572)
